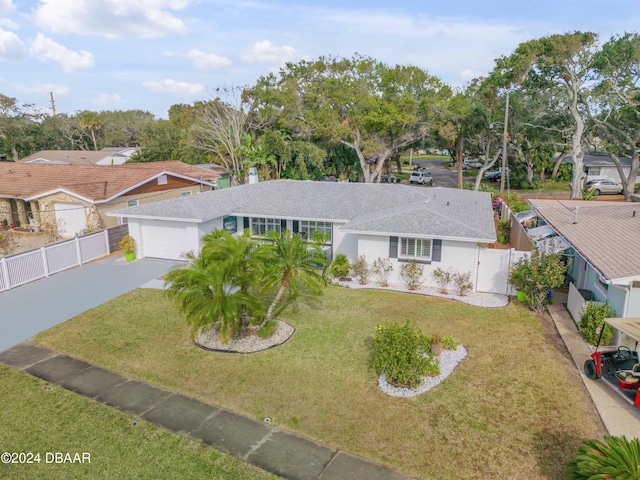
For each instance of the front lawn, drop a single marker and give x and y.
(39, 418)
(514, 408)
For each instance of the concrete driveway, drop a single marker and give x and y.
(36, 306)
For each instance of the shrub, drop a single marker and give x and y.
(448, 343)
(268, 329)
(8, 242)
(615, 458)
(382, 268)
(51, 231)
(362, 270)
(128, 244)
(534, 275)
(411, 273)
(443, 278)
(340, 266)
(462, 282)
(592, 318)
(402, 354)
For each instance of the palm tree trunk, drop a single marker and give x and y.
(283, 287)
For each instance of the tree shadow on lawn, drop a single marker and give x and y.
(554, 449)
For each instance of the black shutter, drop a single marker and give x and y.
(283, 225)
(436, 254)
(246, 222)
(296, 226)
(393, 247)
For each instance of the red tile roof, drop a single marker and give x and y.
(93, 183)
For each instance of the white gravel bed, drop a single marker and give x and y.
(247, 344)
(449, 360)
(490, 300)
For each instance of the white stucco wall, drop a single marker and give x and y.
(456, 256)
(610, 173)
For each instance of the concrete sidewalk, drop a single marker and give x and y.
(618, 416)
(270, 448)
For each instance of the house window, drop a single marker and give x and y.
(162, 180)
(132, 203)
(308, 228)
(260, 226)
(593, 171)
(418, 248)
(186, 194)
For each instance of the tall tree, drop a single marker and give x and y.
(614, 106)
(562, 63)
(91, 121)
(374, 109)
(16, 126)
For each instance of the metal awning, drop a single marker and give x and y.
(540, 232)
(552, 244)
(630, 326)
(526, 215)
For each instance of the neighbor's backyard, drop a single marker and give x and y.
(514, 408)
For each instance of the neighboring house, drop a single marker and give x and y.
(604, 243)
(104, 157)
(77, 197)
(438, 227)
(599, 164)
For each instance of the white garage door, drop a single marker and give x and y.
(71, 218)
(165, 240)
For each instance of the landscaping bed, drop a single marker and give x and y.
(514, 408)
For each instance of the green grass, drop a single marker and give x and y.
(37, 417)
(515, 408)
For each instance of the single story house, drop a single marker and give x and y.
(106, 156)
(439, 227)
(598, 164)
(604, 240)
(77, 197)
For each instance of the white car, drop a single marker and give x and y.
(422, 178)
(472, 163)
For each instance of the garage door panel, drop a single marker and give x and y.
(168, 240)
(71, 218)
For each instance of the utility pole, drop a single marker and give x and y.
(53, 105)
(504, 173)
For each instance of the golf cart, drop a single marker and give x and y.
(618, 367)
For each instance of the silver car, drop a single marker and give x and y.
(602, 186)
(423, 178)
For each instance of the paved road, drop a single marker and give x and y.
(36, 306)
(443, 175)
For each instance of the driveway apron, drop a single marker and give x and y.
(39, 305)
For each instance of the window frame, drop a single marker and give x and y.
(307, 227)
(403, 249)
(267, 223)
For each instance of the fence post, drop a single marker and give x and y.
(78, 252)
(5, 272)
(45, 265)
(106, 240)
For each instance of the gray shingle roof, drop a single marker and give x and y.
(367, 208)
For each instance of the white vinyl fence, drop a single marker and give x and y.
(22, 268)
(494, 266)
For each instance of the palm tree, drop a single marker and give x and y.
(289, 262)
(213, 291)
(91, 121)
(616, 457)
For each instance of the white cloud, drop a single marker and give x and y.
(468, 74)
(266, 52)
(109, 99)
(6, 7)
(111, 18)
(171, 86)
(43, 89)
(46, 49)
(11, 47)
(202, 60)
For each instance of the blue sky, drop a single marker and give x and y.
(151, 54)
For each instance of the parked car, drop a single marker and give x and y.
(493, 175)
(602, 186)
(470, 163)
(422, 178)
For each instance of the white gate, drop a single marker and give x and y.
(494, 266)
